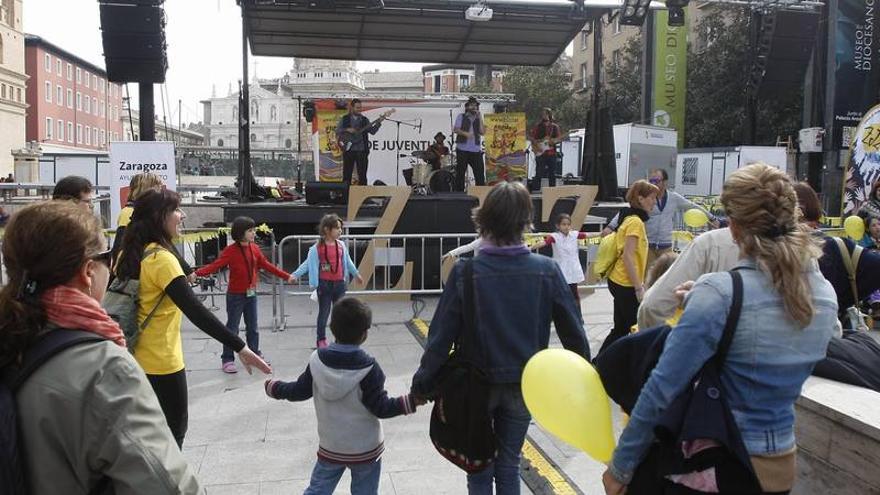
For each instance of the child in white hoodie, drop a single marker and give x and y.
(349, 391)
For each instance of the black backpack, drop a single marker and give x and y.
(12, 479)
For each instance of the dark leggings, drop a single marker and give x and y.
(626, 308)
(172, 395)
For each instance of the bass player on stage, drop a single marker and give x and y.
(352, 133)
(544, 137)
(468, 129)
(437, 151)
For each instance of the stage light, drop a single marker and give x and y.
(633, 12)
(676, 17)
(308, 110)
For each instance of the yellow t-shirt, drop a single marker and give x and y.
(632, 226)
(159, 349)
(124, 217)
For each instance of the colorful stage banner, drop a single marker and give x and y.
(329, 152)
(670, 74)
(856, 79)
(505, 142)
(863, 164)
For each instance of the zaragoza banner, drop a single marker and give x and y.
(863, 164)
(670, 74)
(505, 142)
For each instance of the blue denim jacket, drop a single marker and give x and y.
(517, 295)
(768, 361)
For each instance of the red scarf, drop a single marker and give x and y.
(67, 307)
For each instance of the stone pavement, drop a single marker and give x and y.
(241, 442)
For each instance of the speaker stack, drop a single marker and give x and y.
(133, 33)
(782, 49)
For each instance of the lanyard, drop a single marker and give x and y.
(661, 202)
(327, 257)
(247, 263)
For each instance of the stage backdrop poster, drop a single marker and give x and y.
(863, 164)
(128, 159)
(329, 153)
(505, 143)
(856, 79)
(670, 75)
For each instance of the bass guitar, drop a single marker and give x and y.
(346, 139)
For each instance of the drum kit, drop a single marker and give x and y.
(425, 180)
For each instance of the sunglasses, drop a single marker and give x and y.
(655, 180)
(103, 257)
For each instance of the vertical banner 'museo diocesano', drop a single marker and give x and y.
(128, 159)
(670, 75)
(857, 74)
(505, 142)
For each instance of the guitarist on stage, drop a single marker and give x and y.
(545, 135)
(353, 128)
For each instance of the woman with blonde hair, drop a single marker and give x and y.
(627, 276)
(137, 187)
(788, 315)
(88, 420)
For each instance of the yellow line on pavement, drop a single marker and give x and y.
(554, 482)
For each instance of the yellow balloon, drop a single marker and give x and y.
(565, 396)
(855, 227)
(695, 218)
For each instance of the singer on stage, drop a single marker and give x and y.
(468, 131)
(352, 133)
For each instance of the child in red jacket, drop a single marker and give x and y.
(244, 260)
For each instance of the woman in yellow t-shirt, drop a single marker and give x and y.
(626, 279)
(149, 255)
(138, 185)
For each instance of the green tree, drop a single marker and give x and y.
(623, 87)
(539, 87)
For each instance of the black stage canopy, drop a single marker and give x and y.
(520, 32)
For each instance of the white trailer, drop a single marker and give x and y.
(640, 148)
(702, 171)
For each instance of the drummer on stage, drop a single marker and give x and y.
(437, 151)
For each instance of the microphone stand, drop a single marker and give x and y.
(399, 122)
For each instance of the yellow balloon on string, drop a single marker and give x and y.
(855, 227)
(566, 397)
(695, 218)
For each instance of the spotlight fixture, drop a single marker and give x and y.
(633, 12)
(478, 12)
(676, 17)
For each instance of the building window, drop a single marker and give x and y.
(48, 92)
(95, 136)
(585, 39)
(103, 137)
(59, 69)
(69, 72)
(615, 58)
(584, 76)
(59, 95)
(288, 143)
(3, 91)
(103, 85)
(47, 62)
(79, 133)
(88, 105)
(79, 75)
(69, 98)
(115, 113)
(95, 82)
(88, 79)
(49, 125)
(689, 168)
(95, 106)
(617, 24)
(70, 132)
(103, 109)
(253, 137)
(88, 135)
(220, 143)
(464, 81)
(437, 83)
(79, 101)
(18, 95)
(273, 113)
(60, 130)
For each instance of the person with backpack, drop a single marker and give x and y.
(627, 274)
(245, 260)
(518, 294)
(164, 296)
(75, 406)
(788, 315)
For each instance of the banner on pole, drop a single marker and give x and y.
(329, 153)
(131, 158)
(863, 163)
(670, 75)
(856, 79)
(505, 143)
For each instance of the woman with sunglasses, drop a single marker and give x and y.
(88, 420)
(148, 255)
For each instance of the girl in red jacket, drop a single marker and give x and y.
(244, 260)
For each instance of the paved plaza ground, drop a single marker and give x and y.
(241, 442)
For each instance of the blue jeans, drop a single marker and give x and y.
(511, 421)
(364, 478)
(329, 291)
(236, 304)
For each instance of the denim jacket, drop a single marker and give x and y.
(768, 361)
(517, 295)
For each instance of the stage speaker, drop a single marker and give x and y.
(333, 193)
(600, 167)
(133, 35)
(783, 43)
(130, 20)
(136, 70)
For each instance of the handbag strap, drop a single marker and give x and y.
(732, 318)
(851, 263)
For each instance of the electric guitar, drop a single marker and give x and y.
(346, 139)
(541, 147)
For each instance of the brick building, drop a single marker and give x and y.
(71, 102)
(446, 78)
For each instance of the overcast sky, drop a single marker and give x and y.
(204, 47)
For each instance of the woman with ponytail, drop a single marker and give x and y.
(788, 315)
(88, 421)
